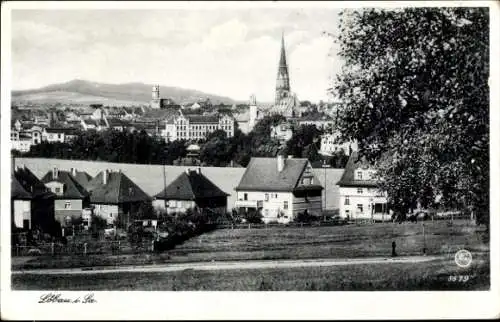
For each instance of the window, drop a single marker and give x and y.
(347, 213)
(346, 201)
(67, 205)
(306, 181)
(110, 215)
(359, 207)
(266, 197)
(360, 190)
(57, 190)
(285, 205)
(267, 212)
(359, 175)
(245, 196)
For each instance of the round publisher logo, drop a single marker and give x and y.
(463, 258)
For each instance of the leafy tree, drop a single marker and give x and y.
(218, 150)
(303, 143)
(146, 211)
(415, 96)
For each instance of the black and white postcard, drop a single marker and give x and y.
(273, 159)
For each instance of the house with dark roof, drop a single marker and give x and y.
(115, 197)
(320, 120)
(70, 196)
(279, 188)
(118, 124)
(191, 189)
(60, 134)
(82, 177)
(32, 204)
(359, 195)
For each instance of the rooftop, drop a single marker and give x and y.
(191, 186)
(117, 190)
(348, 180)
(262, 175)
(71, 189)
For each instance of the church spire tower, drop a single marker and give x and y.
(282, 80)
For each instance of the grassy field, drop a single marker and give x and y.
(433, 275)
(333, 242)
(294, 243)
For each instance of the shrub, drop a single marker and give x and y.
(253, 216)
(304, 217)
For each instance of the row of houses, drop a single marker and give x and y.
(278, 188)
(169, 124)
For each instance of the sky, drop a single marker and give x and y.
(230, 52)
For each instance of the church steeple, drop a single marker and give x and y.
(283, 79)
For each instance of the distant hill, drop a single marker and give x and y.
(87, 92)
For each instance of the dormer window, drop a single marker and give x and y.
(359, 175)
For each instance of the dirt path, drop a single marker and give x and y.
(227, 265)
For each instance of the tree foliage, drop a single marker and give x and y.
(416, 97)
(304, 143)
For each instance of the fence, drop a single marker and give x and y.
(229, 225)
(86, 248)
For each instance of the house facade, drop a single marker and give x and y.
(330, 145)
(359, 195)
(32, 204)
(282, 132)
(59, 135)
(70, 197)
(191, 189)
(115, 197)
(279, 188)
(196, 127)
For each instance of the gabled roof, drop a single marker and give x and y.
(262, 175)
(201, 119)
(17, 191)
(160, 114)
(117, 190)
(31, 184)
(191, 186)
(348, 179)
(71, 189)
(65, 130)
(316, 117)
(83, 178)
(117, 122)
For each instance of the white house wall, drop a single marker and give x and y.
(365, 197)
(273, 206)
(22, 211)
(108, 212)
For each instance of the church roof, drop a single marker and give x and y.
(283, 68)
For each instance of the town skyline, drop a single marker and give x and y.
(232, 52)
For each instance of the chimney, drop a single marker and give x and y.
(105, 177)
(290, 156)
(73, 172)
(281, 162)
(55, 173)
(187, 171)
(199, 170)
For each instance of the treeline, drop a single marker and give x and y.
(113, 146)
(216, 150)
